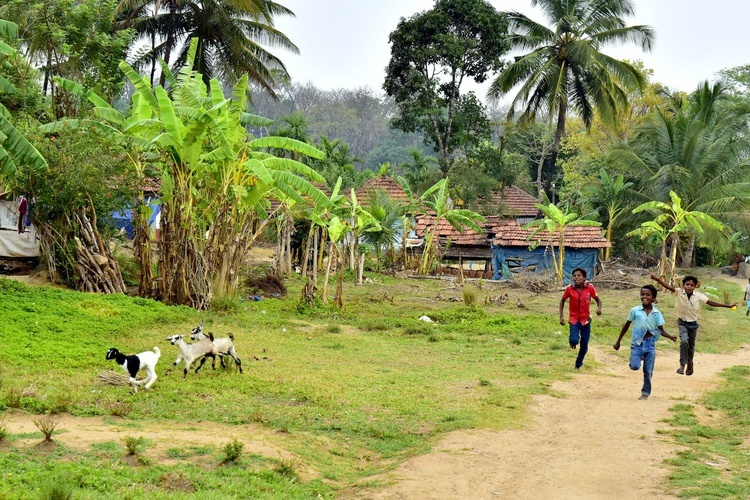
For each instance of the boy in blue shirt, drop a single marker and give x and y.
(648, 325)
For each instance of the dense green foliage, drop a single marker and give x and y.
(432, 54)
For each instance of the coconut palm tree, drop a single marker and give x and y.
(695, 147)
(565, 69)
(610, 196)
(232, 35)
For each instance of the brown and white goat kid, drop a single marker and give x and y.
(191, 352)
(225, 345)
(133, 363)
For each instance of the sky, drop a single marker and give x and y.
(344, 43)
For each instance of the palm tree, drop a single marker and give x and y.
(609, 196)
(565, 68)
(696, 148)
(231, 35)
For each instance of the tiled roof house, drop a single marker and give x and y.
(382, 183)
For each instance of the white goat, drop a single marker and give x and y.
(225, 345)
(135, 362)
(191, 352)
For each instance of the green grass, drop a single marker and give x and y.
(350, 392)
(714, 461)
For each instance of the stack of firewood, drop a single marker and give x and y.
(98, 270)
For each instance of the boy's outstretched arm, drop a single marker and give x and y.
(625, 327)
(598, 306)
(662, 282)
(673, 338)
(720, 304)
(562, 308)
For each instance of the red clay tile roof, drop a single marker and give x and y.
(151, 185)
(512, 202)
(575, 237)
(382, 183)
(466, 237)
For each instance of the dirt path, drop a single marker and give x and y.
(599, 441)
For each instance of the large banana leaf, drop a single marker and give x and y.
(17, 146)
(284, 179)
(293, 166)
(287, 144)
(141, 84)
(6, 86)
(77, 89)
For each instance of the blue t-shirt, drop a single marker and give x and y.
(644, 323)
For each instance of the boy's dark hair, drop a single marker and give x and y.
(650, 287)
(579, 269)
(689, 278)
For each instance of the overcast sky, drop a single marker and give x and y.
(344, 43)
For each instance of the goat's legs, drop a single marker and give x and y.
(176, 362)
(236, 361)
(203, 360)
(150, 378)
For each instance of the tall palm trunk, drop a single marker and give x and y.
(559, 132)
(687, 259)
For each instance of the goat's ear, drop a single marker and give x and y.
(201, 323)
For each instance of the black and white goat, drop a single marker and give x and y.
(133, 363)
(191, 352)
(225, 345)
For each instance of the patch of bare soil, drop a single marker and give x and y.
(80, 433)
(598, 441)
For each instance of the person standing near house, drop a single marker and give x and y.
(580, 294)
(747, 297)
(687, 304)
(648, 326)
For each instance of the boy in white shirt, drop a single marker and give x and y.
(687, 306)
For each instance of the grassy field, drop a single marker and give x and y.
(349, 393)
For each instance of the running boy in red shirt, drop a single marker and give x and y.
(580, 294)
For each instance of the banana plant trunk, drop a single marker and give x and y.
(182, 268)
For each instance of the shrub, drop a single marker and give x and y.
(470, 296)
(13, 398)
(233, 451)
(119, 409)
(287, 467)
(133, 444)
(56, 489)
(47, 424)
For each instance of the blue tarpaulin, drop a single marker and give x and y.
(541, 259)
(123, 219)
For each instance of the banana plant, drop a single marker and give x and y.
(216, 179)
(555, 222)
(670, 221)
(436, 202)
(15, 149)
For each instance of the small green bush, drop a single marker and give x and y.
(287, 467)
(47, 424)
(233, 451)
(56, 489)
(133, 444)
(470, 296)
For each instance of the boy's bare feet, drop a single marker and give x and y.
(572, 345)
(643, 396)
(689, 370)
(681, 370)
